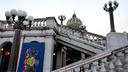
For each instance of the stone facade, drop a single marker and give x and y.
(70, 49)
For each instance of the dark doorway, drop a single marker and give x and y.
(5, 54)
(72, 56)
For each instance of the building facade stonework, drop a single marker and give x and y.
(67, 48)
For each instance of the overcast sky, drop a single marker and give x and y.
(90, 12)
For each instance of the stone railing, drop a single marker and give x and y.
(38, 24)
(84, 35)
(109, 61)
(3, 25)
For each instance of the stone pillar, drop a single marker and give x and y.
(116, 40)
(82, 56)
(64, 56)
(59, 58)
(48, 56)
(51, 22)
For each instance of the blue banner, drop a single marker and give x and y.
(31, 58)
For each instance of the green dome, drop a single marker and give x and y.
(74, 21)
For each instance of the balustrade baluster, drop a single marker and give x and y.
(103, 42)
(94, 66)
(93, 38)
(40, 24)
(118, 63)
(86, 68)
(36, 24)
(77, 69)
(82, 69)
(126, 61)
(44, 23)
(111, 67)
(113, 58)
(106, 63)
(102, 69)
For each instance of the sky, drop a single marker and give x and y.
(90, 12)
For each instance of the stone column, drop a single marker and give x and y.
(64, 56)
(48, 56)
(82, 56)
(59, 58)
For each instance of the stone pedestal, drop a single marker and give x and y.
(116, 40)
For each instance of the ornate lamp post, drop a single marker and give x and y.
(61, 18)
(112, 6)
(18, 26)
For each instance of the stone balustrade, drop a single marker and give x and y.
(109, 61)
(38, 24)
(84, 35)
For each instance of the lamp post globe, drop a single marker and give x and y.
(30, 19)
(8, 15)
(110, 3)
(13, 12)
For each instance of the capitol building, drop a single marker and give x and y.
(44, 45)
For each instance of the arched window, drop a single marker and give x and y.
(5, 49)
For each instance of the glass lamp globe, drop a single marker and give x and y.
(7, 14)
(110, 2)
(105, 5)
(24, 14)
(30, 18)
(21, 13)
(61, 17)
(13, 12)
(115, 3)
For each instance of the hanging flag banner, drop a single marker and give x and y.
(31, 58)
